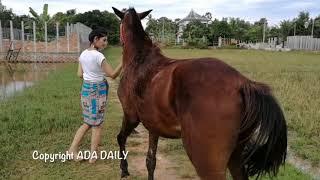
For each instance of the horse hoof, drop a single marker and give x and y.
(125, 175)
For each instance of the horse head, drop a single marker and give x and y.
(131, 30)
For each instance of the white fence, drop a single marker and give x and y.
(52, 43)
(62, 37)
(303, 43)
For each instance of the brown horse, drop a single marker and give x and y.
(224, 119)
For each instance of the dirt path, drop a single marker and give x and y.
(138, 145)
(304, 165)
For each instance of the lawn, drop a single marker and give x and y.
(46, 116)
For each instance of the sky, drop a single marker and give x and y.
(249, 10)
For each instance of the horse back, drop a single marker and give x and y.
(172, 89)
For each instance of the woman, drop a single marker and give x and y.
(92, 68)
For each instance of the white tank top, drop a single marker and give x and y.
(91, 65)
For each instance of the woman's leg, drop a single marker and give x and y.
(95, 141)
(77, 138)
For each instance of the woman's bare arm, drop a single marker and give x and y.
(106, 67)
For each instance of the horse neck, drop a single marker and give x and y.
(138, 75)
(138, 56)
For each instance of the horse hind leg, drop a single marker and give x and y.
(128, 126)
(209, 158)
(209, 146)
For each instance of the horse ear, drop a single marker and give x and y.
(118, 13)
(144, 14)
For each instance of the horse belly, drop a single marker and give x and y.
(157, 109)
(161, 121)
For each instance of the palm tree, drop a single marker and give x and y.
(40, 20)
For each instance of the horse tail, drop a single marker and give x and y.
(263, 132)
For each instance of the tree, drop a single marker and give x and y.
(40, 20)
(62, 19)
(153, 27)
(301, 21)
(162, 28)
(239, 28)
(6, 15)
(196, 29)
(2, 7)
(71, 12)
(104, 19)
(208, 15)
(219, 28)
(286, 29)
(274, 32)
(316, 29)
(254, 33)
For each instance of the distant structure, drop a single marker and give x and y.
(192, 16)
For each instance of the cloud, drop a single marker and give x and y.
(250, 10)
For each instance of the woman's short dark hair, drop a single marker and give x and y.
(98, 32)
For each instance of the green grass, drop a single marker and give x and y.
(46, 116)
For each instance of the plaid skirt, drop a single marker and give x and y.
(93, 101)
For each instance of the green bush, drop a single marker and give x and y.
(196, 43)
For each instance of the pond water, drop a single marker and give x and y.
(17, 77)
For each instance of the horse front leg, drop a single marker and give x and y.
(128, 124)
(151, 155)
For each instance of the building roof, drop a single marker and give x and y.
(194, 16)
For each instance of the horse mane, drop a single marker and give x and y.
(145, 56)
(143, 44)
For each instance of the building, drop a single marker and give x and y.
(192, 16)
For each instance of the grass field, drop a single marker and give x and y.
(46, 116)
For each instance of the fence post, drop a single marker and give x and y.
(11, 34)
(68, 37)
(312, 44)
(220, 41)
(306, 42)
(34, 40)
(78, 36)
(1, 48)
(22, 35)
(57, 36)
(264, 32)
(46, 36)
(4, 88)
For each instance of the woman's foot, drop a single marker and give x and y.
(94, 157)
(74, 155)
(92, 160)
